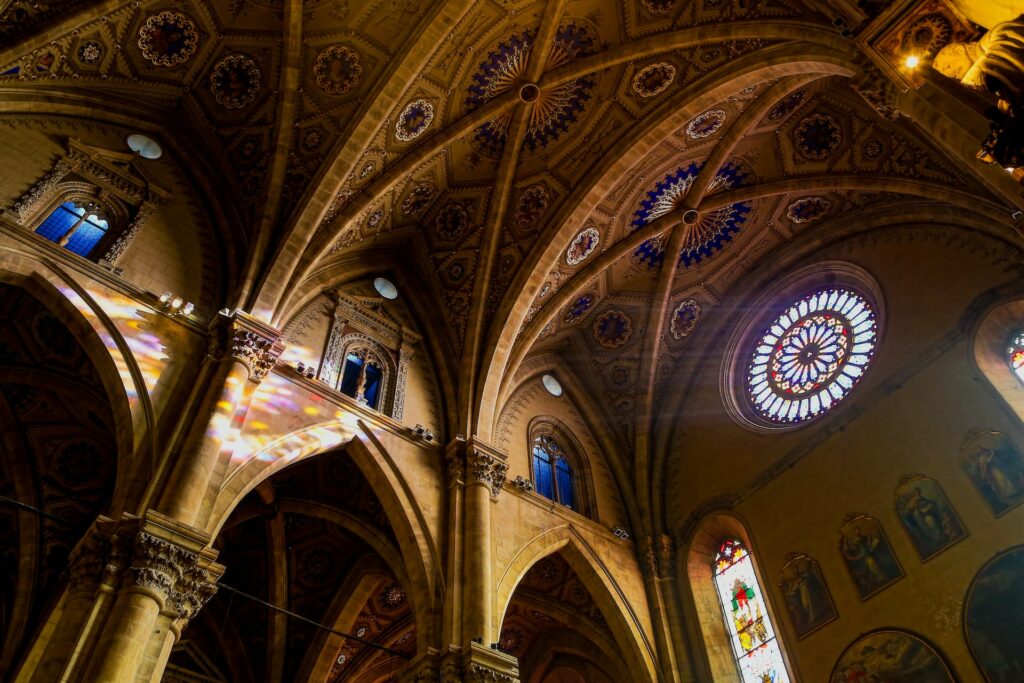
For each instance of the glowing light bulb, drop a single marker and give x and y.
(176, 302)
(912, 61)
(165, 297)
(189, 307)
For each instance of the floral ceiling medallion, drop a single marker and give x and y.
(653, 79)
(818, 137)
(337, 69)
(685, 318)
(708, 123)
(414, 120)
(532, 204)
(419, 198)
(808, 209)
(234, 82)
(168, 38)
(90, 52)
(787, 106)
(582, 246)
(612, 329)
(660, 6)
(452, 220)
(554, 110)
(579, 308)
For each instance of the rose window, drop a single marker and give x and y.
(811, 356)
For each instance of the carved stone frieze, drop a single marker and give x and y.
(486, 467)
(246, 340)
(29, 202)
(119, 246)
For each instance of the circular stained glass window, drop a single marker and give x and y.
(811, 356)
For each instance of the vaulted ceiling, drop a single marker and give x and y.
(573, 180)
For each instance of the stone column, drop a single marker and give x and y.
(484, 468)
(657, 559)
(168, 570)
(242, 351)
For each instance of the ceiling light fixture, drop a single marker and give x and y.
(553, 386)
(912, 61)
(385, 287)
(145, 146)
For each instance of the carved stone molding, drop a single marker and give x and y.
(485, 665)
(119, 246)
(470, 461)
(153, 554)
(28, 203)
(246, 340)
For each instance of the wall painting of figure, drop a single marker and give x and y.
(994, 617)
(892, 656)
(996, 468)
(868, 555)
(808, 600)
(927, 515)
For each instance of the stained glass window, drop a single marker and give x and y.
(1015, 355)
(72, 227)
(750, 629)
(811, 356)
(552, 473)
(361, 379)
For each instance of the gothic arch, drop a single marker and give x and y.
(418, 550)
(717, 659)
(990, 337)
(106, 348)
(576, 455)
(626, 624)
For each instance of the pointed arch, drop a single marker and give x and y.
(415, 542)
(120, 374)
(718, 659)
(629, 629)
(992, 335)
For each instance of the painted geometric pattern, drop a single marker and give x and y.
(711, 231)
(554, 111)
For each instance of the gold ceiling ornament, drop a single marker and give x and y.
(168, 38)
(337, 69)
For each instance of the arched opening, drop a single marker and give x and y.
(999, 353)
(313, 539)
(559, 467)
(741, 641)
(58, 454)
(555, 628)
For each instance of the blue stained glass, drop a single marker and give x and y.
(350, 380)
(563, 476)
(65, 217)
(86, 237)
(60, 221)
(543, 481)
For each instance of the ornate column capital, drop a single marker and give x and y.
(485, 665)
(247, 340)
(473, 461)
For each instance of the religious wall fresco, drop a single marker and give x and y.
(868, 555)
(996, 469)
(927, 515)
(808, 600)
(894, 657)
(994, 617)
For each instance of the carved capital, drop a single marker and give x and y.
(472, 461)
(483, 665)
(119, 246)
(248, 341)
(29, 202)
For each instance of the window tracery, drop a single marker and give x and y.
(1015, 355)
(92, 202)
(751, 632)
(558, 467)
(811, 356)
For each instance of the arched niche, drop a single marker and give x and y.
(702, 549)
(992, 337)
(59, 455)
(628, 630)
(316, 539)
(992, 616)
(574, 454)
